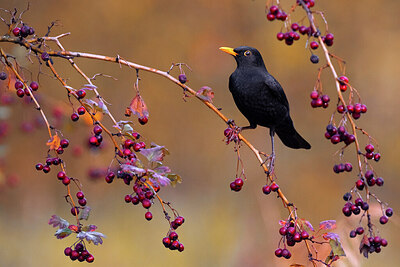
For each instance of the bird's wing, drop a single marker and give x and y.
(276, 89)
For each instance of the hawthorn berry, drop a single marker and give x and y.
(314, 59)
(67, 251)
(34, 86)
(64, 143)
(61, 175)
(3, 75)
(266, 189)
(81, 93)
(148, 216)
(80, 195)
(74, 211)
(66, 180)
(135, 200)
(346, 211)
(280, 36)
(143, 120)
(90, 258)
(278, 252)
(182, 78)
(274, 187)
(286, 253)
(181, 247)
(379, 181)
(146, 203)
(18, 85)
(304, 234)
(295, 26)
(383, 219)
(283, 230)
(81, 110)
(39, 166)
(94, 141)
(74, 255)
(16, 31)
(314, 95)
(314, 45)
(389, 212)
(173, 236)
(270, 16)
(360, 184)
(353, 233)
(274, 9)
(347, 196)
(166, 241)
(82, 202)
(24, 32)
(46, 169)
(74, 117)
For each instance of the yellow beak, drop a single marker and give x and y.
(228, 50)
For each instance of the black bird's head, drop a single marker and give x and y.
(245, 56)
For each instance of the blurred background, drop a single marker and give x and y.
(222, 228)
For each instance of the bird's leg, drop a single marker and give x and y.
(271, 158)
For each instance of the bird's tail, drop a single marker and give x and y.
(291, 138)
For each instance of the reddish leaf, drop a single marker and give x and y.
(205, 93)
(329, 236)
(307, 224)
(328, 225)
(282, 222)
(365, 246)
(138, 107)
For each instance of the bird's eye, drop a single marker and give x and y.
(247, 53)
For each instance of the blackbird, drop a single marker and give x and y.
(260, 97)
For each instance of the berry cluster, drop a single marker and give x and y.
(338, 168)
(337, 135)
(143, 194)
(24, 31)
(267, 189)
(21, 91)
(97, 138)
(79, 253)
(291, 236)
(171, 241)
(276, 13)
(319, 100)
(236, 185)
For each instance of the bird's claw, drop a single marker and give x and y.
(271, 163)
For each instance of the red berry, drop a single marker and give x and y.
(146, 203)
(274, 9)
(295, 26)
(266, 189)
(329, 37)
(94, 141)
(369, 148)
(80, 195)
(64, 143)
(74, 117)
(34, 86)
(360, 230)
(81, 93)
(303, 29)
(304, 235)
(278, 252)
(343, 80)
(173, 236)
(66, 180)
(384, 242)
(343, 87)
(82, 202)
(61, 175)
(363, 108)
(239, 182)
(18, 85)
(135, 200)
(346, 211)
(74, 255)
(314, 45)
(389, 212)
(297, 237)
(360, 184)
(16, 31)
(270, 16)
(325, 98)
(274, 187)
(314, 95)
(379, 181)
(341, 109)
(166, 241)
(143, 120)
(280, 36)
(350, 108)
(67, 251)
(81, 110)
(90, 258)
(181, 247)
(46, 169)
(39, 166)
(148, 216)
(335, 139)
(283, 230)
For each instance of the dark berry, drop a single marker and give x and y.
(356, 210)
(346, 211)
(174, 245)
(314, 59)
(335, 139)
(347, 196)
(135, 200)
(291, 230)
(39, 166)
(304, 235)
(384, 242)
(297, 237)
(280, 36)
(369, 148)
(64, 143)
(181, 247)
(286, 254)
(34, 86)
(365, 206)
(353, 233)
(360, 230)
(383, 219)
(182, 78)
(18, 85)
(93, 141)
(74, 255)
(74, 211)
(389, 212)
(369, 174)
(283, 230)
(348, 167)
(377, 157)
(80, 195)
(295, 26)
(61, 175)
(303, 30)
(274, 9)
(45, 56)
(379, 181)
(82, 202)
(46, 169)
(68, 251)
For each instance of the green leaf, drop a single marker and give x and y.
(337, 248)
